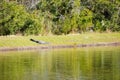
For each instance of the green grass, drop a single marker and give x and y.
(21, 41)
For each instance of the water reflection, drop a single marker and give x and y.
(66, 64)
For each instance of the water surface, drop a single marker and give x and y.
(101, 63)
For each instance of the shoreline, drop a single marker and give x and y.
(3, 49)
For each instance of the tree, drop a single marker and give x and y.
(105, 14)
(85, 20)
(13, 17)
(33, 24)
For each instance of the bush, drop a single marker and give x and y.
(13, 18)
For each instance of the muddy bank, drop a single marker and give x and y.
(59, 46)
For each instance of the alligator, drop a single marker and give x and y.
(39, 42)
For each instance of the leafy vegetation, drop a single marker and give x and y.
(43, 17)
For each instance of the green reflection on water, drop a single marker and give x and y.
(63, 64)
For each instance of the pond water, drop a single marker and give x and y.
(101, 63)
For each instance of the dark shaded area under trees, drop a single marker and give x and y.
(34, 17)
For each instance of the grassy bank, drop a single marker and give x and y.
(20, 41)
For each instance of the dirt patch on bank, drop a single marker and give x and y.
(59, 46)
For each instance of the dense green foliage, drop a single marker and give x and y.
(59, 17)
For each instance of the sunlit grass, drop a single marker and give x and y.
(21, 41)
